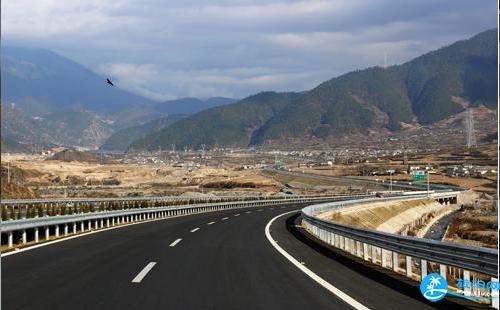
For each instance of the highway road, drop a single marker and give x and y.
(217, 260)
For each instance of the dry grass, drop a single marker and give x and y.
(375, 215)
(475, 224)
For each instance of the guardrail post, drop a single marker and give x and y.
(383, 258)
(82, 226)
(374, 254)
(74, 228)
(96, 224)
(89, 225)
(47, 233)
(467, 290)
(442, 270)
(395, 261)
(102, 223)
(495, 303)
(107, 222)
(37, 236)
(112, 221)
(57, 231)
(365, 251)
(423, 268)
(10, 239)
(25, 239)
(408, 266)
(65, 229)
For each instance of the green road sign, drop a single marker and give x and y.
(418, 175)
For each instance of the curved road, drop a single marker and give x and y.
(217, 260)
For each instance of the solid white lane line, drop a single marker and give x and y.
(211, 223)
(138, 278)
(248, 212)
(340, 294)
(175, 242)
(259, 210)
(193, 230)
(224, 218)
(237, 214)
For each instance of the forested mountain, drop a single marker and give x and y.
(121, 140)
(222, 125)
(191, 105)
(50, 99)
(40, 81)
(422, 91)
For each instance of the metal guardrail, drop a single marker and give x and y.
(30, 223)
(141, 198)
(478, 259)
(33, 208)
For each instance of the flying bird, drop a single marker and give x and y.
(109, 82)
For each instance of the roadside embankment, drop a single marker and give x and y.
(406, 216)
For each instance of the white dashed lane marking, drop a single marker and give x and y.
(138, 278)
(175, 242)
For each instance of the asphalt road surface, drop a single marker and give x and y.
(217, 260)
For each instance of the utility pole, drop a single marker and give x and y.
(8, 172)
(391, 171)
(428, 184)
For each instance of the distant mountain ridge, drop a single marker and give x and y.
(49, 99)
(41, 81)
(422, 91)
(120, 140)
(190, 105)
(175, 109)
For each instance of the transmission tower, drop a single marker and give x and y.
(469, 129)
(203, 150)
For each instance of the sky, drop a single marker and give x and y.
(234, 48)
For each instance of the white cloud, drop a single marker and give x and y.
(164, 49)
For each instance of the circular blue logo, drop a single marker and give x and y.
(434, 287)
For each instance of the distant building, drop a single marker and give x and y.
(451, 171)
